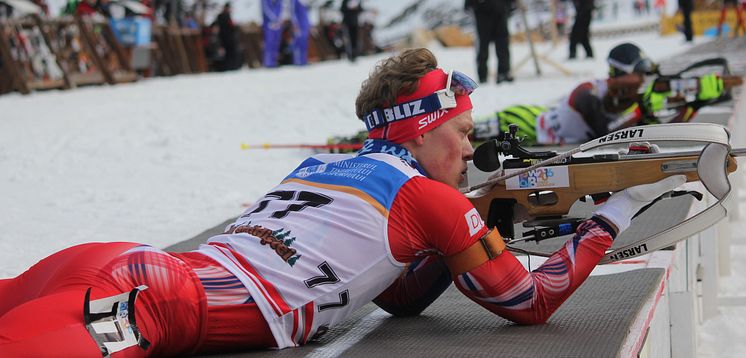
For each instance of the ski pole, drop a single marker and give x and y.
(340, 146)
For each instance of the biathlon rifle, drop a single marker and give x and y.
(682, 89)
(546, 184)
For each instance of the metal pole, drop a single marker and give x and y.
(527, 31)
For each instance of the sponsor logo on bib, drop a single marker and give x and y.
(277, 240)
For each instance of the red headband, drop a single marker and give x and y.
(404, 130)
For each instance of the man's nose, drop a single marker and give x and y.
(468, 150)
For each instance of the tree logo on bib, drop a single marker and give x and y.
(278, 240)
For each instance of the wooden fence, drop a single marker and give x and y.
(67, 52)
(59, 53)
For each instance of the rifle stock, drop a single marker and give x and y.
(732, 81)
(729, 81)
(590, 178)
(627, 86)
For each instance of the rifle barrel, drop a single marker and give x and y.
(736, 152)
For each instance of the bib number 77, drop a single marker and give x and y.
(328, 277)
(314, 200)
(305, 199)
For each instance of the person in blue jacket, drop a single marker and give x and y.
(301, 29)
(272, 30)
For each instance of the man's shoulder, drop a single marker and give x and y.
(433, 189)
(587, 85)
(585, 91)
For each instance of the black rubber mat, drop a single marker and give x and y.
(594, 322)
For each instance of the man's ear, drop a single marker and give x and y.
(420, 139)
(414, 144)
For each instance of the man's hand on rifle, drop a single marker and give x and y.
(654, 101)
(710, 87)
(623, 205)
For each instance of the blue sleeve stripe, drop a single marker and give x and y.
(552, 271)
(467, 281)
(523, 297)
(219, 279)
(221, 286)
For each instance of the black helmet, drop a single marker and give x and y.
(628, 58)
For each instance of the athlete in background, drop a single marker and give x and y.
(272, 31)
(337, 232)
(301, 31)
(597, 107)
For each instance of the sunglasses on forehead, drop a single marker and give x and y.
(460, 84)
(457, 83)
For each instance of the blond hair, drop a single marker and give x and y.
(394, 76)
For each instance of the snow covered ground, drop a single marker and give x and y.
(159, 161)
(724, 335)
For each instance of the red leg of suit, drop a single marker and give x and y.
(49, 326)
(41, 311)
(70, 269)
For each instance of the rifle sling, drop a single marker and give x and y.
(489, 246)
